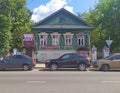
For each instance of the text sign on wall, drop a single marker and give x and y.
(28, 40)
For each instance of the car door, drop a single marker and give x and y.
(18, 61)
(115, 62)
(1, 64)
(74, 60)
(67, 60)
(8, 62)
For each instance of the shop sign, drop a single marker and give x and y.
(28, 40)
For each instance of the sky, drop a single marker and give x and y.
(43, 8)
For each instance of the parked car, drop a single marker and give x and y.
(110, 62)
(16, 62)
(69, 60)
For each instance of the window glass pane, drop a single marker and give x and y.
(117, 57)
(66, 57)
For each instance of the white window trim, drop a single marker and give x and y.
(66, 38)
(56, 40)
(67, 42)
(44, 39)
(81, 37)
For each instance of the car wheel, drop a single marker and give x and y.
(53, 67)
(105, 67)
(82, 67)
(26, 67)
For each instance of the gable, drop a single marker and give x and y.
(62, 19)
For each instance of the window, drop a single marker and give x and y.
(116, 57)
(81, 40)
(9, 59)
(75, 56)
(55, 40)
(62, 19)
(43, 40)
(67, 56)
(68, 40)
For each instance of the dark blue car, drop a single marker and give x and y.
(69, 60)
(17, 62)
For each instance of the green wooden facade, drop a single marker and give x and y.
(62, 30)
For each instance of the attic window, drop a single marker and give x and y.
(62, 19)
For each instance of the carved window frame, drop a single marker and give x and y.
(43, 39)
(81, 39)
(68, 38)
(55, 38)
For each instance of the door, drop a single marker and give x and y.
(12, 62)
(18, 61)
(29, 51)
(67, 61)
(115, 62)
(1, 64)
(8, 62)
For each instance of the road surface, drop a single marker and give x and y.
(59, 81)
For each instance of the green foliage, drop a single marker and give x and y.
(105, 18)
(5, 27)
(14, 21)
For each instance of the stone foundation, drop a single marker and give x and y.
(43, 55)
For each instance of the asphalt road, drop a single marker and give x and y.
(65, 81)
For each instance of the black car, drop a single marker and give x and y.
(69, 60)
(17, 62)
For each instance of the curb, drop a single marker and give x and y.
(37, 66)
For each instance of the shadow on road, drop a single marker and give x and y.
(74, 69)
(61, 69)
(14, 70)
(104, 71)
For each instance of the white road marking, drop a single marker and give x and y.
(35, 81)
(115, 82)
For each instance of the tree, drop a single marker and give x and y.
(5, 27)
(105, 18)
(16, 20)
(20, 21)
(97, 38)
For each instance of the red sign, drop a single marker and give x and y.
(49, 47)
(28, 40)
(28, 43)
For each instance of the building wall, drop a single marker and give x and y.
(62, 44)
(43, 55)
(49, 52)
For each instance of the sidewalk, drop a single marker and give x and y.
(39, 65)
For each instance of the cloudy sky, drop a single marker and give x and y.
(43, 8)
